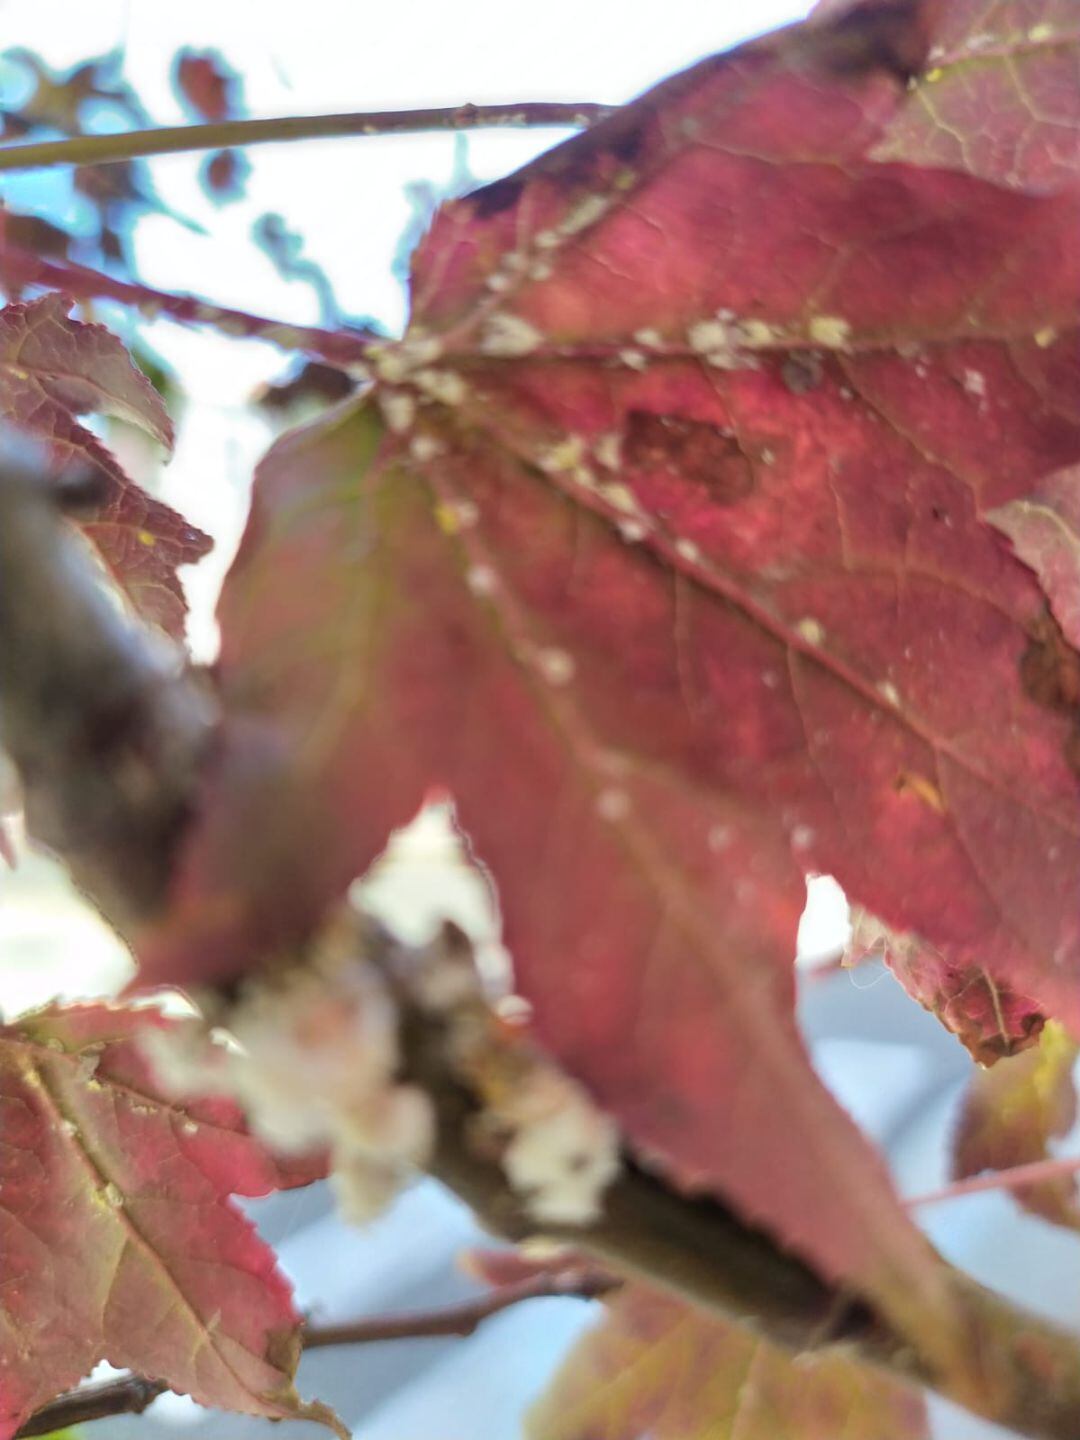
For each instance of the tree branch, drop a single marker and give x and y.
(104, 724)
(131, 1394)
(575, 1283)
(177, 139)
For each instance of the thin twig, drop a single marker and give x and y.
(465, 1318)
(131, 1394)
(1017, 1177)
(176, 139)
(20, 267)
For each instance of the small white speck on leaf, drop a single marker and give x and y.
(466, 512)
(564, 457)
(830, 331)
(509, 335)
(975, 382)
(613, 804)
(632, 531)
(425, 447)
(705, 336)
(633, 359)
(453, 516)
(728, 360)
(649, 338)
(810, 630)
(394, 361)
(802, 837)
(608, 449)
(757, 334)
(481, 579)
(688, 551)
(556, 666)
(622, 497)
(585, 213)
(420, 349)
(888, 691)
(398, 410)
(445, 386)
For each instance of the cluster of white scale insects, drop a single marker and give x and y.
(312, 1058)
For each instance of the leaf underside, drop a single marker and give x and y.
(654, 1368)
(1010, 1116)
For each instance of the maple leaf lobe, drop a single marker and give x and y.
(52, 369)
(125, 1192)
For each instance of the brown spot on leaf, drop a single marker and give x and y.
(1050, 675)
(801, 371)
(1050, 668)
(693, 449)
(626, 144)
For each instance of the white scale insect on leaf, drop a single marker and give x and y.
(507, 335)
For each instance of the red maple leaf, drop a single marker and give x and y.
(668, 563)
(207, 84)
(53, 369)
(118, 1237)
